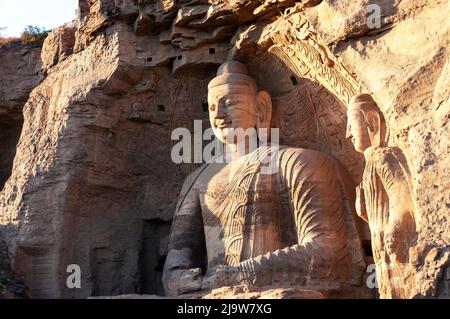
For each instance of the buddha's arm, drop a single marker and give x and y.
(318, 215)
(400, 231)
(182, 272)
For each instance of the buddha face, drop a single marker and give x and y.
(357, 130)
(231, 107)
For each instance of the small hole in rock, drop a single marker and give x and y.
(161, 108)
(367, 247)
(149, 59)
(205, 107)
(212, 51)
(294, 80)
(180, 57)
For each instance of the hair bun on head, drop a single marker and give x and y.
(232, 72)
(232, 67)
(363, 102)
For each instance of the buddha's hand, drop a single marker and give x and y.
(397, 243)
(190, 280)
(223, 276)
(398, 239)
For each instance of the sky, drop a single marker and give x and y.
(15, 15)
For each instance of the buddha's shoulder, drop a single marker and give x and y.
(287, 156)
(385, 158)
(193, 177)
(200, 176)
(296, 153)
(305, 156)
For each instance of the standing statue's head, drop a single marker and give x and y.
(234, 102)
(365, 123)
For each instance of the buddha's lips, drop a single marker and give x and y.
(223, 125)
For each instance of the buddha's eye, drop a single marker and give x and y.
(228, 103)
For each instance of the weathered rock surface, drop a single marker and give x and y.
(238, 292)
(20, 69)
(267, 293)
(58, 46)
(9, 287)
(93, 183)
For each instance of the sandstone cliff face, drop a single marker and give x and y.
(20, 68)
(93, 183)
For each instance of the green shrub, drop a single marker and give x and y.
(33, 34)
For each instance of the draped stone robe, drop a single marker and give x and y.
(384, 185)
(290, 227)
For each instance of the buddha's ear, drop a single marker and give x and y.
(373, 120)
(264, 110)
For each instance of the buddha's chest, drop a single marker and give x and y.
(376, 198)
(243, 214)
(240, 195)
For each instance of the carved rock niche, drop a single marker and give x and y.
(310, 89)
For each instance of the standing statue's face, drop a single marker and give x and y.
(357, 130)
(231, 107)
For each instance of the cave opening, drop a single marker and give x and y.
(153, 256)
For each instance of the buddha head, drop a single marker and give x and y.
(365, 123)
(234, 102)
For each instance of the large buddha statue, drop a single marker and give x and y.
(236, 224)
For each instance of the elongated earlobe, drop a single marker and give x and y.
(264, 110)
(374, 128)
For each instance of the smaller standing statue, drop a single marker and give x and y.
(384, 198)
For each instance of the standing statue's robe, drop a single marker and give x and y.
(384, 185)
(291, 227)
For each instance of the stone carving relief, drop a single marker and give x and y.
(310, 116)
(236, 225)
(324, 89)
(384, 198)
(317, 88)
(158, 108)
(94, 159)
(299, 128)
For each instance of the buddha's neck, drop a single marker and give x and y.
(243, 146)
(234, 152)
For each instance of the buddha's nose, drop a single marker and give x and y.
(221, 113)
(348, 133)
